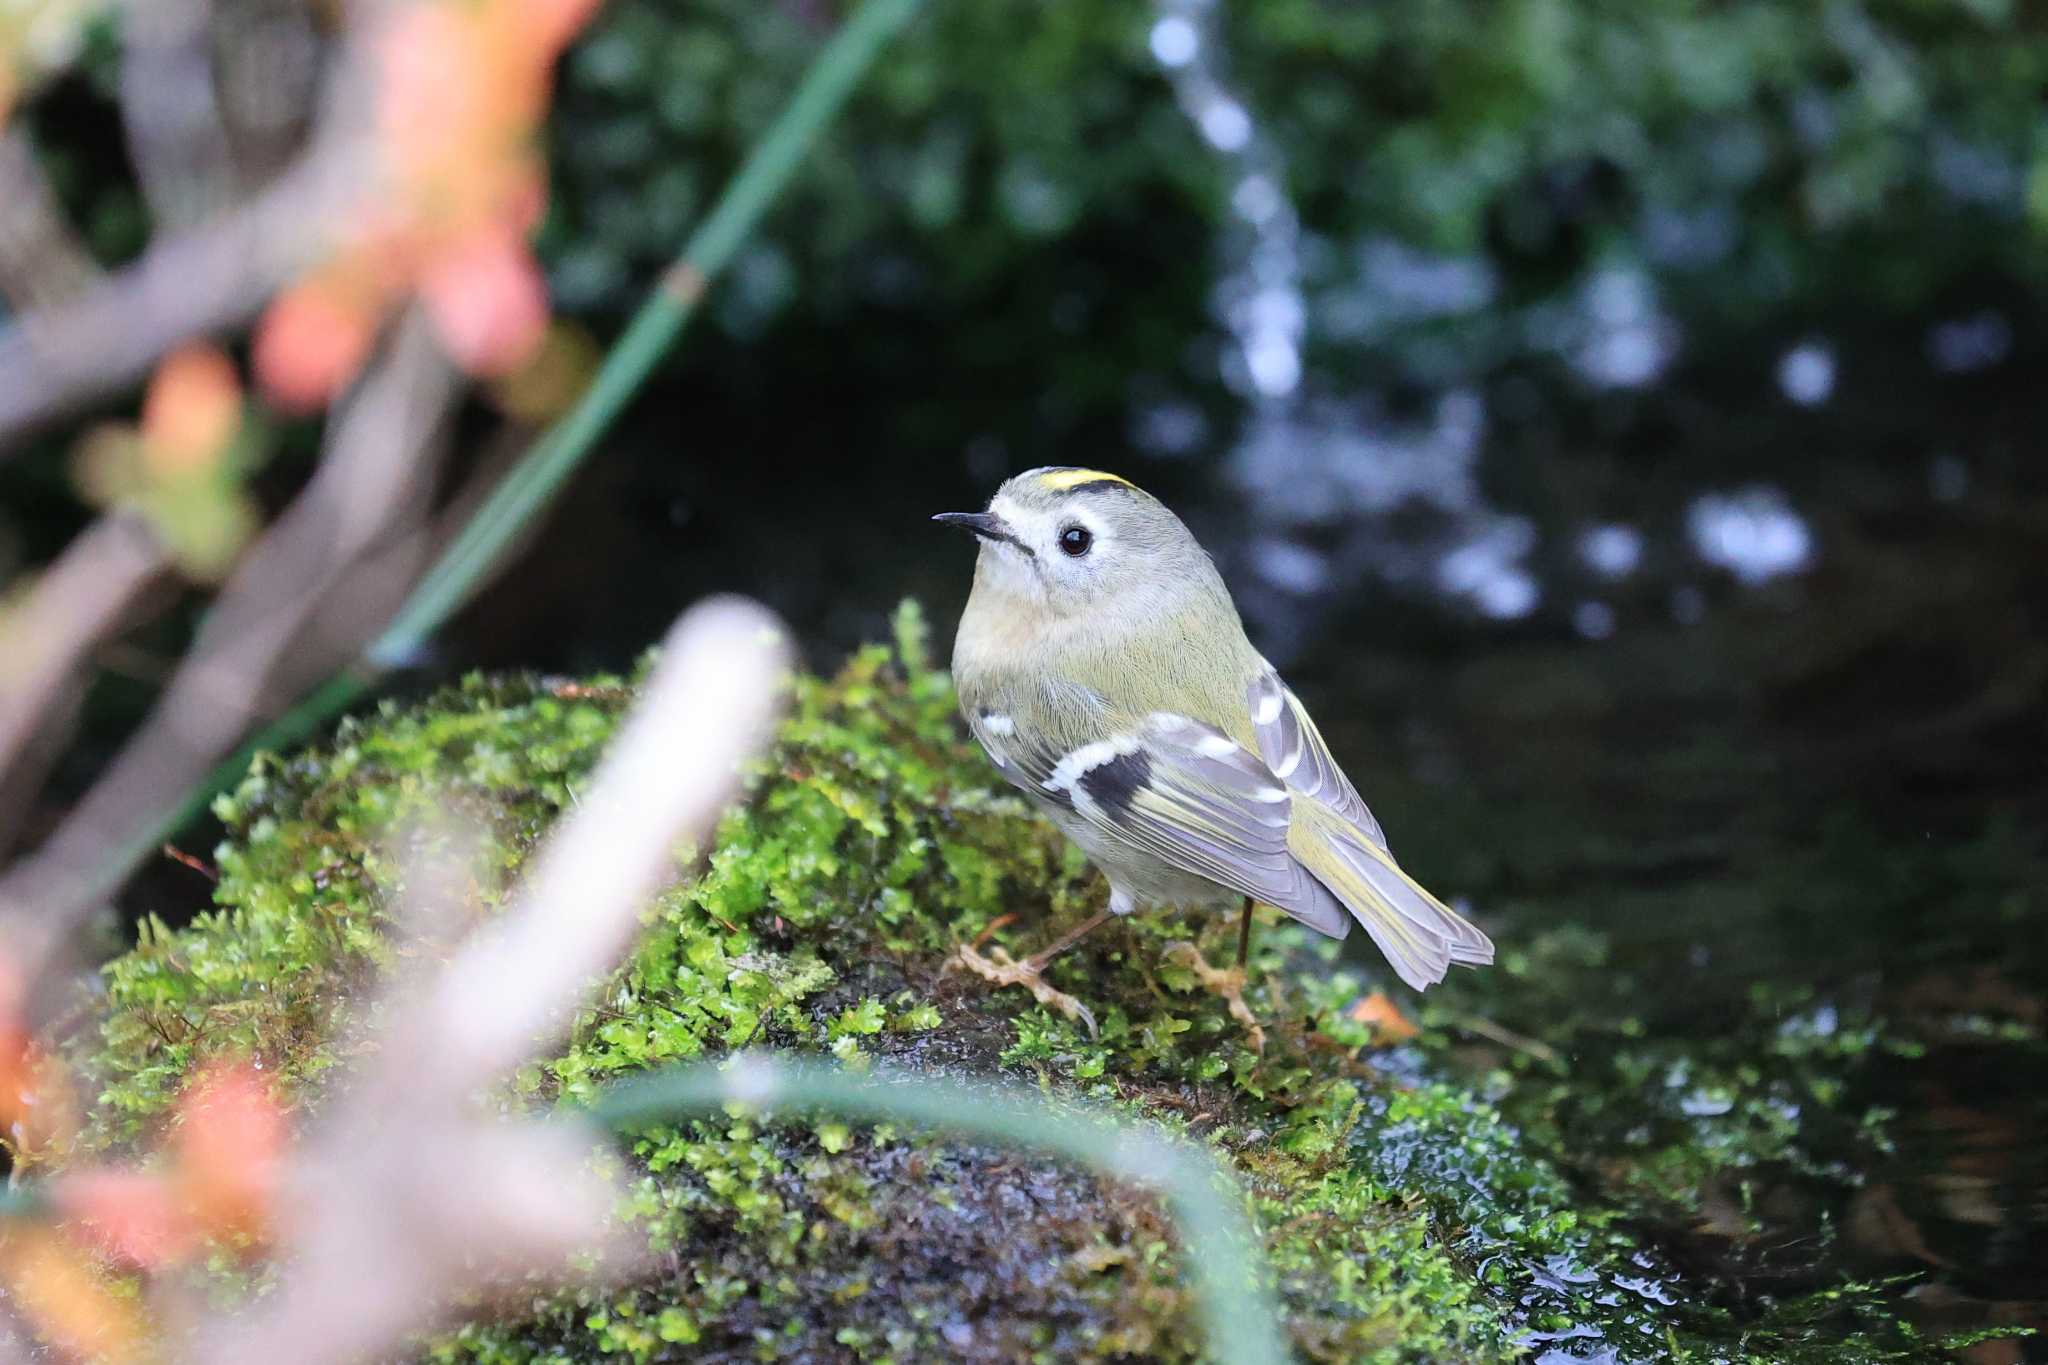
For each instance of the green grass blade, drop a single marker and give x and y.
(1238, 1312)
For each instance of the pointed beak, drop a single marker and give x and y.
(987, 525)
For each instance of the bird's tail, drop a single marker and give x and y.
(1420, 935)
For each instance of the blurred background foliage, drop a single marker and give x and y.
(1749, 157)
(1614, 224)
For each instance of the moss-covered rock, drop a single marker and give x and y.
(1403, 1218)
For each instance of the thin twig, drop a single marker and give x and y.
(1507, 1037)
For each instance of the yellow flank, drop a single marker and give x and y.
(1062, 479)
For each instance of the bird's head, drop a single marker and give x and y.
(1074, 540)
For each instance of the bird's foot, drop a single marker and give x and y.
(1228, 984)
(1004, 970)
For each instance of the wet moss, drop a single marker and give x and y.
(1405, 1218)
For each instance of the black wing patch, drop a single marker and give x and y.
(1114, 785)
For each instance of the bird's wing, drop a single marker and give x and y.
(1293, 748)
(996, 733)
(1189, 795)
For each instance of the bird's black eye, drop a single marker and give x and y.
(1075, 540)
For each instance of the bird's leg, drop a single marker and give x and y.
(1003, 970)
(1068, 939)
(1228, 984)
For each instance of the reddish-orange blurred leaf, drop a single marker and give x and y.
(38, 1111)
(311, 342)
(526, 197)
(488, 301)
(64, 1299)
(133, 1216)
(15, 1071)
(230, 1149)
(191, 412)
(222, 1180)
(1389, 1025)
(554, 22)
(462, 88)
(431, 91)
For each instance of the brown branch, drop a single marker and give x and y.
(41, 260)
(58, 359)
(176, 139)
(299, 606)
(45, 643)
(266, 77)
(193, 283)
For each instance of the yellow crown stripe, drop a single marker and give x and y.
(1060, 480)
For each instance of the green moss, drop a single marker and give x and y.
(1405, 1219)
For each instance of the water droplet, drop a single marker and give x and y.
(1256, 199)
(1175, 42)
(1489, 572)
(1753, 533)
(1170, 428)
(1706, 1103)
(1611, 550)
(1226, 124)
(1806, 373)
(1274, 365)
(1594, 620)
(1972, 343)
(1291, 567)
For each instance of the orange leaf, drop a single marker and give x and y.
(526, 196)
(16, 1069)
(191, 412)
(230, 1149)
(1389, 1025)
(555, 22)
(311, 342)
(488, 301)
(133, 1216)
(66, 1302)
(38, 1111)
(432, 90)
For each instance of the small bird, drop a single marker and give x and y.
(1103, 668)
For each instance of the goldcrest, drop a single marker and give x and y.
(1102, 666)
